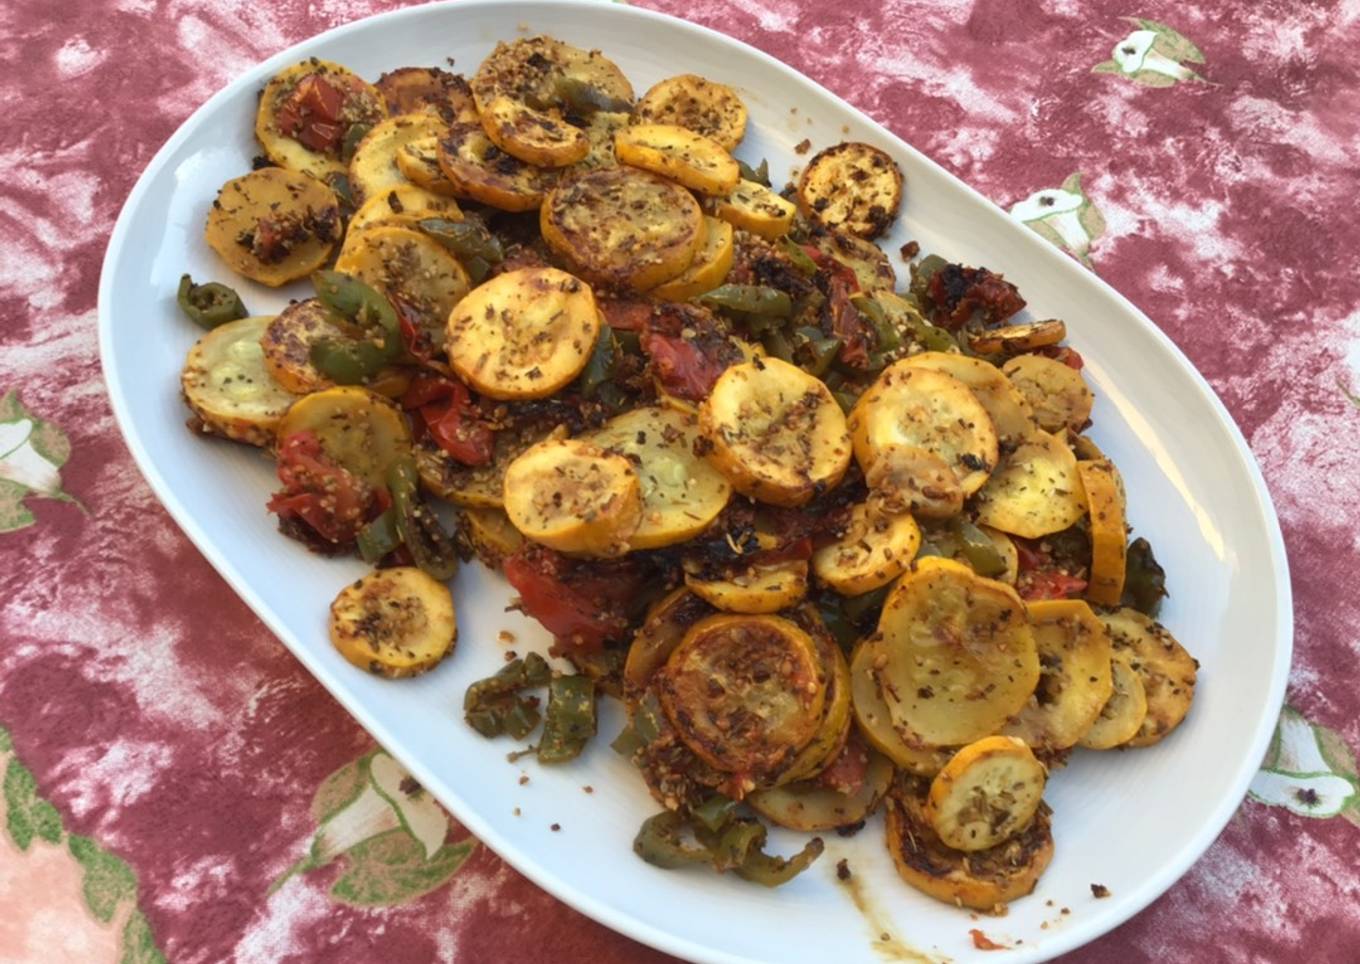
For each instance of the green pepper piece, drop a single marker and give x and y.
(1144, 579)
(586, 98)
(649, 718)
(935, 338)
(921, 273)
(800, 258)
(759, 300)
(629, 342)
(885, 332)
(431, 548)
(977, 549)
(527, 672)
(770, 871)
(355, 134)
(659, 843)
(715, 812)
(602, 365)
(846, 400)
(510, 714)
(570, 721)
(467, 239)
(344, 191)
(777, 344)
(761, 174)
(209, 304)
(627, 743)
(836, 622)
(354, 361)
(736, 844)
(379, 537)
(819, 350)
(857, 607)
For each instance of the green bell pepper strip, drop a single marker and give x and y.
(570, 721)
(921, 273)
(715, 812)
(1144, 579)
(467, 239)
(846, 400)
(602, 364)
(355, 134)
(354, 361)
(977, 548)
(760, 300)
(800, 258)
(379, 537)
(819, 350)
(209, 304)
(627, 743)
(430, 546)
(528, 672)
(777, 345)
(761, 174)
(493, 706)
(586, 98)
(770, 871)
(510, 714)
(659, 843)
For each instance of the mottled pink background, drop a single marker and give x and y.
(162, 718)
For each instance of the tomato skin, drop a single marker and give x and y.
(581, 604)
(1040, 578)
(681, 366)
(451, 418)
(311, 115)
(1068, 356)
(330, 499)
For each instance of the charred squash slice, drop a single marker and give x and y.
(287, 342)
(227, 385)
(546, 73)
(362, 105)
(875, 549)
(667, 622)
(273, 226)
(775, 431)
(691, 159)
(419, 161)
(373, 169)
(983, 880)
(523, 334)
(852, 186)
(959, 654)
(623, 226)
(410, 89)
(571, 495)
(533, 136)
(754, 207)
(907, 478)
(744, 693)
(476, 168)
(394, 622)
(1013, 339)
(707, 270)
(697, 104)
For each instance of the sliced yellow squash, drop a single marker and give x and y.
(960, 656)
(665, 625)
(758, 589)
(600, 131)
(1057, 394)
(1122, 715)
(533, 136)
(697, 104)
(691, 159)
(287, 342)
(476, 168)
(987, 793)
(1007, 407)
(775, 431)
(419, 161)
(875, 549)
(490, 535)
(475, 486)
(681, 493)
(925, 409)
(394, 622)
(852, 186)
(273, 226)
(1167, 671)
(411, 89)
(707, 270)
(228, 386)
(403, 204)
(1036, 491)
(1109, 533)
(363, 105)
(523, 334)
(906, 478)
(358, 429)
(876, 722)
(809, 807)
(623, 226)
(871, 266)
(754, 207)
(373, 169)
(571, 495)
(544, 71)
(1018, 338)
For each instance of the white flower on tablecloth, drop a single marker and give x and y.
(1063, 215)
(1308, 770)
(32, 453)
(1153, 56)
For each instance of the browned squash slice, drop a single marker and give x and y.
(986, 794)
(523, 334)
(707, 270)
(227, 385)
(546, 73)
(623, 226)
(759, 589)
(395, 622)
(478, 169)
(810, 806)
(875, 548)
(959, 655)
(983, 880)
(404, 205)
(1013, 339)
(600, 131)
(871, 266)
(1057, 394)
(373, 170)
(473, 486)
(1109, 532)
(744, 693)
(667, 622)
(907, 478)
(754, 207)
(1007, 407)
(287, 344)
(1074, 676)
(836, 723)
(533, 136)
(852, 186)
(1123, 714)
(697, 104)
(410, 89)
(289, 129)
(1166, 670)
(358, 429)
(273, 226)
(418, 160)
(574, 496)
(875, 721)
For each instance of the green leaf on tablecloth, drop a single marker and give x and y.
(1351, 397)
(1151, 78)
(51, 443)
(14, 515)
(6, 742)
(27, 815)
(11, 409)
(391, 868)
(1339, 756)
(341, 788)
(108, 879)
(1106, 67)
(1171, 42)
(138, 943)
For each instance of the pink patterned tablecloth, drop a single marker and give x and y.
(167, 764)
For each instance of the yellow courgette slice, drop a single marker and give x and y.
(697, 162)
(363, 105)
(490, 535)
(810, 807)
(1057, 394)
(759, 589)
(394, 622)
(273, 226)
(876, 722)
(851, 186)
(1018, 338)
(1036, 491)
(875, 549)
(907, 478)
(533, 136)
(667, 622)
(1167, 671)
(707, 270)
(754, 207)
(1007, 407)
(476, 168)
(697, 104)
(227, 385)
(373, 169)
(533, 70)
(1109, 532)
(1122, 715)
(287, 342)
(571, 495)
(419, 161)
(1074, 678)
(403, 204)
(987, 793)
(358, 429)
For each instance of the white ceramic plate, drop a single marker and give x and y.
(1131, 821)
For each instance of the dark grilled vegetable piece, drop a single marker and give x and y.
(354, 361)
(430, 546)
(570, 720)
(493, 706)
(1144, 579)
(209, 304)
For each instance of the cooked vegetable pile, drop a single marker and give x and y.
(837, 541)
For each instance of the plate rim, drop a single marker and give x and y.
(1068, 939)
